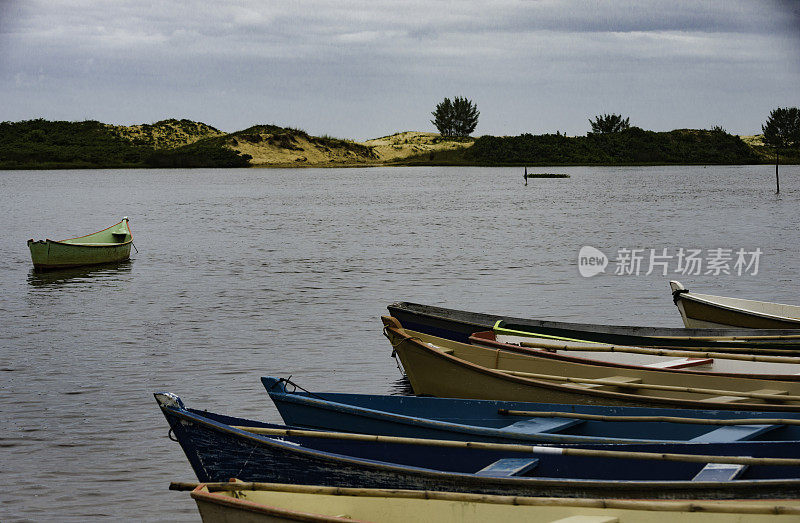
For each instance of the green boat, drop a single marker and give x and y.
(112, 244)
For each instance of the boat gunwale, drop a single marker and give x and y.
(85, 245)
(65, 241)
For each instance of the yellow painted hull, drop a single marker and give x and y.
(446, 368)
(267, 502)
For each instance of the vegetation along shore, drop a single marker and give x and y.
(43, 144)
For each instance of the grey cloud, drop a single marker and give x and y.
(308, 61)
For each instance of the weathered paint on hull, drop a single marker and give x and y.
(49, 255)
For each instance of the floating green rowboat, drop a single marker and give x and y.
(109, 245)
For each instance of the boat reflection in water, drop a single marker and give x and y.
(401, 387)
(76, 275)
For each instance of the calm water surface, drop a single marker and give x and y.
(244, 273)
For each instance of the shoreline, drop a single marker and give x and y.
(46, 145)
(358, 165)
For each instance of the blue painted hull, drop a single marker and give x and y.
(479, 420)
(217, 452)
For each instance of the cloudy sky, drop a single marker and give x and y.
(361, 69)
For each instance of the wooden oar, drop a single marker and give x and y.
(780, 398)
(658, 352)
(534, 449)
(728, 506)
(658, 419)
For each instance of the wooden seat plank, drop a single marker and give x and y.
(723, 399)
(542, 425)
(507, 467)
(719, 472)
(587, 519)
(620, 379)
(731, 433)
(680, 363)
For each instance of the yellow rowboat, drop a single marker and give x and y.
(262, 502)
(112, 244)
(439, 367)
(708, 311)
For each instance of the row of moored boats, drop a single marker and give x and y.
(526, 419)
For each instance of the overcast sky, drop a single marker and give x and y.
(364, 69)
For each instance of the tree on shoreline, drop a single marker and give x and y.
(455, 118)
(782, 131)
(609, 123)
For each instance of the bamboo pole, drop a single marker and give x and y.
(761, 337)
(771, 346)
(722, 349)
(726, 506)
(756, 337)
(658, 419)
(659, 352)
(767, 350)
(534, 449)
(781, 398)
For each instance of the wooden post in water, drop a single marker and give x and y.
(525, 175)
(777, 180)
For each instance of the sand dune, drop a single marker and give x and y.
(288, 148)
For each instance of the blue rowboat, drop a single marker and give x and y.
(502, 421)
(222, 447)
(459, 325)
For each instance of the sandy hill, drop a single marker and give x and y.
(166, 134)
(270, 145)
(753, 141)
(414, 143)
